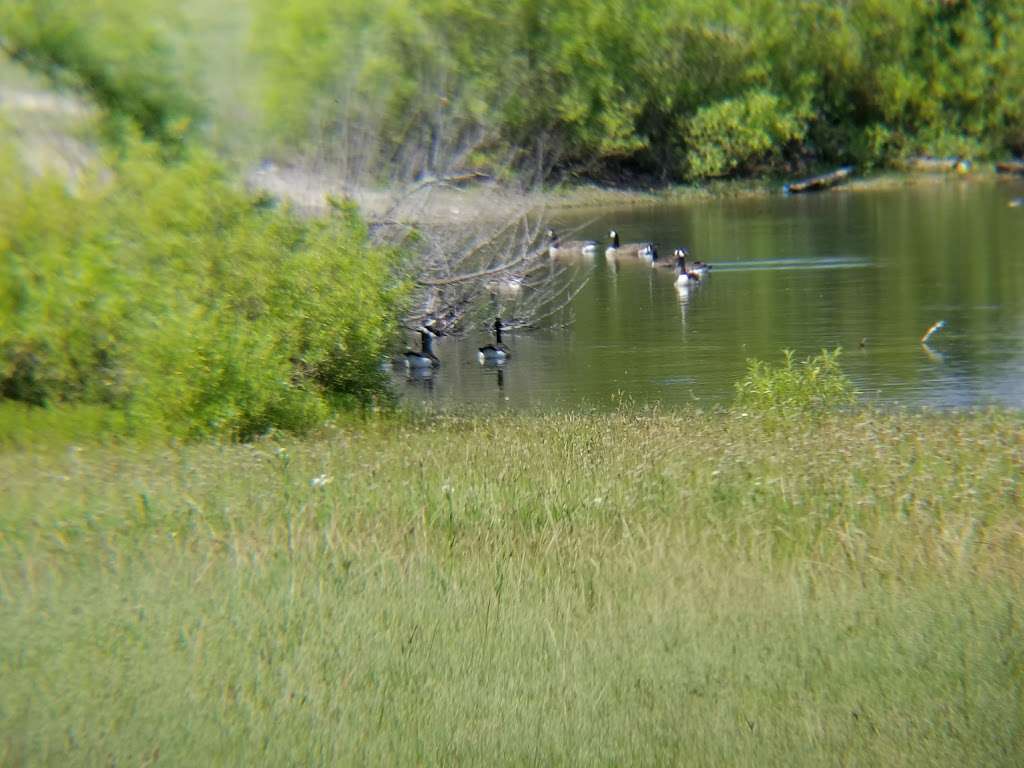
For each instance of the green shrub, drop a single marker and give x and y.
(167, 291)
(741, 133)
(702, 88)
(813, 385)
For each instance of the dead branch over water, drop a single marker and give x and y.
(468, 271)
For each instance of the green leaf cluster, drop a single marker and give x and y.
(680, 88)
(167, 291)
(739, 134)
(814, 385)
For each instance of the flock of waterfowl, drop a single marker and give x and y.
(689, 275)
(426, 359)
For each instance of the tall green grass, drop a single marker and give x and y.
(636, 587)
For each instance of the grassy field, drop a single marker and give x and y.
(630, 588)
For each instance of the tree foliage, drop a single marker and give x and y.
(122, 54)
(738, 134)
(679, 88)
(167, 291)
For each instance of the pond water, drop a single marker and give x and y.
(868, 271)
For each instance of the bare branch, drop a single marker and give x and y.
(478, 249)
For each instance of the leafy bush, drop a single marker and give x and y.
(812, 385)
(701, 88)
(739, 134)
(167, 291)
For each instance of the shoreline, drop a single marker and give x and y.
(442, 204)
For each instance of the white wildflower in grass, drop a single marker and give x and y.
(321, 480)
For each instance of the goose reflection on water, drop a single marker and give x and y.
(684, 303)
(497, 369)
(421, 377)
(935, 357)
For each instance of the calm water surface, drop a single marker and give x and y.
(867, 271)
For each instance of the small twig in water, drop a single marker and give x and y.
(934, 329)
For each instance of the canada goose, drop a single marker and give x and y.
(642, 250)
(425, 358)
(698, 268)
(557, 246)
(496, 352)
(685, 278)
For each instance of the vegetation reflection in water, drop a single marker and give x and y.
(865, 271)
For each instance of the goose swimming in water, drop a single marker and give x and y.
(698, 268)
(685, 278)
(641, 250)
(557, 246)
(496, 352)
(425, 358)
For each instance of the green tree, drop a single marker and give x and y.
(119, 53)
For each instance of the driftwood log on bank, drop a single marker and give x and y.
(816, 183)
(1010, 166)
